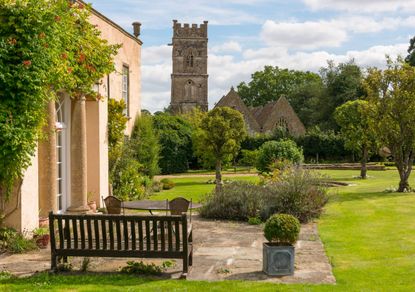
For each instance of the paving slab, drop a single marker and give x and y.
(223, 250)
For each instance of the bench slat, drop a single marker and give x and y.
(155, 237)
(104, 233)
(163, 238)
(177, 233)
(111, 231)
(89, 231)
(96, 232)
(118, 227)
(82, 230)
(126, 237)
(67, 233)
(148, 235)
(170, 235)
(133, 239)
(75, 233)
(140, 235)
(60, 231)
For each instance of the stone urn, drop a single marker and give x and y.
(281, 231)
(93, 206)
(41, 237)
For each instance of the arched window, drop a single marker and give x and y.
(282, 124)
(190, 59)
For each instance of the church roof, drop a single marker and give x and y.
(263, 119)
(233, 100)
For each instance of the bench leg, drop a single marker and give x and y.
(53, 263)
(185, 264)
(191, 258)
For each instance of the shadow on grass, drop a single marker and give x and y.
(346, 197)
(89, 278)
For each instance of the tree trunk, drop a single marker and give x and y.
(363, 170)
(218, 180)
(404, 165)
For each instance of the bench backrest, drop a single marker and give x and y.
(118, 233)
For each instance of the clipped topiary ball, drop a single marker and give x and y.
(282, 228)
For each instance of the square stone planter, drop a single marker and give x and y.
(278, 260)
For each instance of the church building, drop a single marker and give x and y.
(265, 119)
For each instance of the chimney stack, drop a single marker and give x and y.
(137, 29)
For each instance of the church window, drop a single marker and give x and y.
(283, 124)
(126, 89)
(190, 59)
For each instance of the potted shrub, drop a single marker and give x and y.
(92, 204)
(41, 237)
(281, 231)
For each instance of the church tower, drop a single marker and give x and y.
(189, 80)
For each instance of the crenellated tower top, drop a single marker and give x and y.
(192, 31)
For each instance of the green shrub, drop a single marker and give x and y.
(282, 229)
(127, 182)
(157, 186)
(168, 184)
(254, 221)
(278, 150)
(40, 231)
(20, 244)
(298, 192)
(238, 200)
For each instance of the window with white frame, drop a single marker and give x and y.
(126, 89)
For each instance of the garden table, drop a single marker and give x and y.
(152, 205)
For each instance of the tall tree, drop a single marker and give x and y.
(175, 137)
(357, 128)
(341, 84)
(410, 59)
(145, 145)
(221, 132)
(392, 91)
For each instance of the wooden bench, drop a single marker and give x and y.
(120, 236)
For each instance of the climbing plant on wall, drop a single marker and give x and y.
(46, 47)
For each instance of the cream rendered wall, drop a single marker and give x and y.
(23, 208)
(129, 54)
(97, 112)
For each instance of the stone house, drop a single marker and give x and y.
(265, 119)
(71, 166)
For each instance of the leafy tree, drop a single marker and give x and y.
(46, 47)
(117, 123)
(410, 59)
(392, 92)
(357, 128)
(249, 158)
(144, 144)
(175, 137)
(341, 84)
(278, 150)
(323, 145)
(221, 132)
(300, 88)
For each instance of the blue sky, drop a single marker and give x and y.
(245, 35)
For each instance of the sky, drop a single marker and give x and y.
(246, 35)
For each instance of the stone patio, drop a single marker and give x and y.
(222, 251)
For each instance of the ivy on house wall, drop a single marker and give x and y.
(46, 47)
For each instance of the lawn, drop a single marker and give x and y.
(369, 236)
(194, 188)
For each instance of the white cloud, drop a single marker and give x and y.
(228, 47)
(362, 5)
(302, 35)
